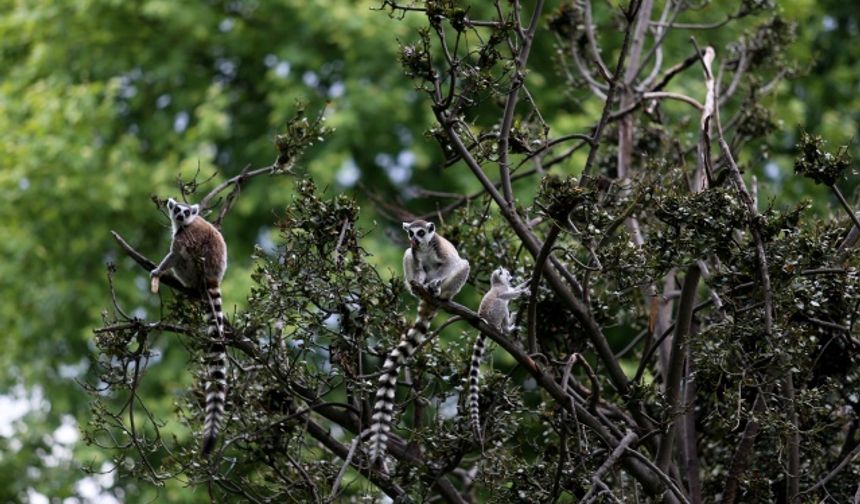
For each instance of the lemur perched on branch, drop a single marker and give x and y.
(198, 258)
(432, 262)
(495, 311)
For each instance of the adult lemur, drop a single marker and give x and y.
(198, 258)
(495, 312)
(432, 262)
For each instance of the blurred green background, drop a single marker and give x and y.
(106, 102)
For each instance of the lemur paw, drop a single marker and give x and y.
(433, 287)
(155, 273)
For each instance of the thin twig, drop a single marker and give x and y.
(238, 179)
(335, 488)
(836, 470)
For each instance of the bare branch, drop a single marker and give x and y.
(677, 360)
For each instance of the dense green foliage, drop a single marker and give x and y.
(104, 104)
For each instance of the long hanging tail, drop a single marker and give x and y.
(474, 390)
(383, 408)
(216, 363)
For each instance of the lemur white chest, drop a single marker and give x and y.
(427, 258)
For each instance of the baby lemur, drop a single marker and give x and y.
(495, 311)
(432, 262)
(198, 258)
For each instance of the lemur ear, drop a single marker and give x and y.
(431, 227)
(171, 203)
(195, 209)
(495, 277)
(406, 225)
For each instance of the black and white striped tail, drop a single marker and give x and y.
(383, 408)
(474, 389)
(216, 370)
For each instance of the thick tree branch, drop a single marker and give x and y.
(677, 359)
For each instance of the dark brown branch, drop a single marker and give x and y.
(741, 458)
(464, 199)
(677, 360)
(672, 71)
(534, 284)
(594, 396)
(689, 438)
(139, 324)
(854, 233)
(240, 178)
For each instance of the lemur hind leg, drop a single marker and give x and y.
(509, 326)
(450, 284)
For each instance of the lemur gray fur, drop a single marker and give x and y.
(198, 258)
(495, 312)
(432, 262)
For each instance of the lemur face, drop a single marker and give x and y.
(420, 232)
(501, 276)
(182, 214)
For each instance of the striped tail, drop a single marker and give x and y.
(216, 363)
(474, 390)
(383, 408)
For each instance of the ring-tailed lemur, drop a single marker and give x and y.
(433, 262)
(494, 310)
(198, 258)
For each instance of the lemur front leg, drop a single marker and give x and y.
(450, 282)
(509, 325)
(168, 262)
(412, 273)
(516, 292)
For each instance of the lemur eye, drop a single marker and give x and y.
(186, 213)
(421, 233)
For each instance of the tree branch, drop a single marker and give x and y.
(677, 360)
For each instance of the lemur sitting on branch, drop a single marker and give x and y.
(198, 258)
(432, 262)
(495, 312)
